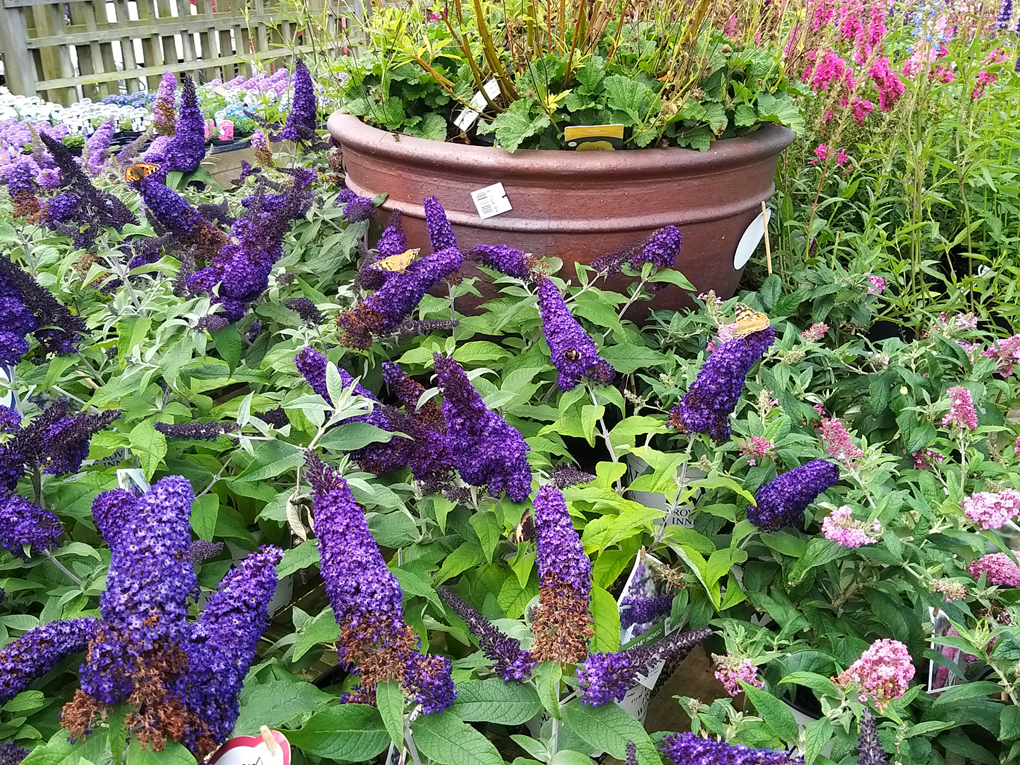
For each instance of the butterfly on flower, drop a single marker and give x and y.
(397, 263)
(525, 530)
(140, 170)
(749, 321)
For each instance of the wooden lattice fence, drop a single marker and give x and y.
(71, 49)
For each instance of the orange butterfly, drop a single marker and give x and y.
(140, 170)
(749, 321)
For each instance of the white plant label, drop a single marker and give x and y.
(491, 201)
(7, 395)
(469, 115)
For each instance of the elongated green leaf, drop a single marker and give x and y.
(606, 615)
(445, 739)
(321, 628)
(494, 701)
(389, 699)
(149, 445)
(271, 459)
(228, 345)
(775, 713)
(204, 512)
(60, 751)
(278, 703)
(346, 732)
(813, 681)
(610, 728)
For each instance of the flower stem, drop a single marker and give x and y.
(63, 568)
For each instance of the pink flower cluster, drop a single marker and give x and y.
(837, 442)
(952, 326)
(991, 511)
(730, 669)
(828, 73)
(841, 528)
(725, 334)
(815, 332)
(888, 84)
(999, 569)
(1006, 354)
(876, 285)
(756, 448)
(882, 673)
(951, 589)
(986, 77)
(961, 409)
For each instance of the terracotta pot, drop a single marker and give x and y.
(577, 205)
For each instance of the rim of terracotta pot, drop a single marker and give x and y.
(767, 140)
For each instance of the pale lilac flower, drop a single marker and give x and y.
(840, 527)
(882, 674)
(999, 569)
(756, 448)
(992, 510)
(961, 409)
(730, 669)
(815, 332)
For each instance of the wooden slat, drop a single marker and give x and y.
(19, 63)
(56, 60)
(158, 70)
(152, 52)
(127, 45)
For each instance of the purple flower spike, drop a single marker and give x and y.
(302, 121)
(487, 450)
(503, 258)
(782, 501)
(97, 147)
(511, 662)
(358, 209)
(39, 650)
(393, 241)
(26, 307)
(440, 232)
(12, 753)
(222, 646)
(870, 751)
(170, 209)
(383, 311)
(23, 523)
(573, 352)
(562, 624)
(366, 600)
(144, 607)
(688, 748)
(164, 118)
(661, 250)
(608, 676)
(707, 406)
(184, 151)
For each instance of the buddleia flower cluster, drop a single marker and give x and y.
(55, 441)
(81, 211)
(661, 249)
(375, 641)
(399, 294)
(175, 219)
(782, 501)
(688, 748)
(26, 309)
(39, 650)
(708, 404)
(184, 150)
(181, 679)
(97, 148)
(239, 272)
(573, 351)
(303, 119)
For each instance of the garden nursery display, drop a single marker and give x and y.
(292, 472)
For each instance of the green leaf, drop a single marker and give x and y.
(278, 703)
(590, 415)
(547, 677)
(1009, 724)
(669, 276)
(607, 621)
(446, 740)
(149, 445)
(351, 436)
(972, 690)
(131, 332)
(468, 555)
(775, 713)
(818, 553)
(816, 736)
(815, 682)
(346, 733)
(568, 757)
(630, 358)
(627, 95)
(60, 751)
(228, 345)
(117, 732)
(494, 701)
(271, 459)
(321, 628)
(610, 728)
(487, 528)
(204, 512)
(479, 350)
(522, 120)
(389, 699)
(301, 557)
(432, 127)
(173, 754)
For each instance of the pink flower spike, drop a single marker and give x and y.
(876, 285)
(730, 669)
(841, 528)
(882, 674)
(756, 448)
(999, 569)
(951, 589)
(838, 443)
(961, 409)
(992, 511)
(842, 158)
(815, 332)
(822, 152)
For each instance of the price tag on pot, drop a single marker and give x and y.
(269, 748)
(491, 201)
(594, 137)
